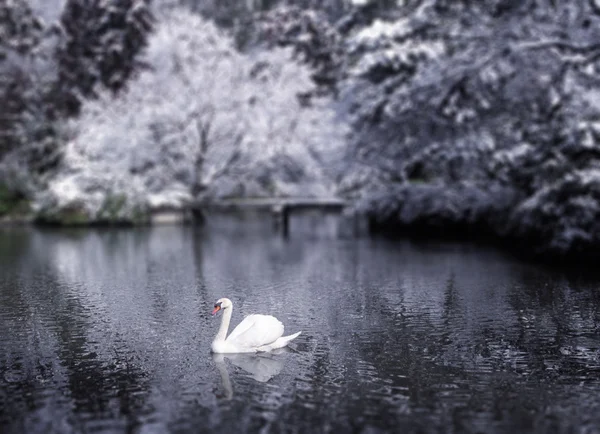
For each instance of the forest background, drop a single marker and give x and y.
(457, 117)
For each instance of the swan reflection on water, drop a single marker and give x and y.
(260, 367)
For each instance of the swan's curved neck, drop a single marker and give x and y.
(222, 334)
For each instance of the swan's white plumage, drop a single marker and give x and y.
(256, 330)
(256, 333)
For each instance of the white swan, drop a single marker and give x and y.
(256, 333)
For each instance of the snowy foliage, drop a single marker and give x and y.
(27, 76)
(100, 44)
(50, 59)
(20, 33)
(463, 207)
(48, 10)
(563, 217)
(462, 113)
(443, 72)
(491, 93)
(202, 119)
(313, 39)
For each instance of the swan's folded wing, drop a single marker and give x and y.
(256, 330)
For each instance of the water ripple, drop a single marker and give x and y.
(109, 331)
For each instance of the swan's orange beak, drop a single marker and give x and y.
(216, 309)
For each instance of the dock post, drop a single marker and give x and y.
(281, 217)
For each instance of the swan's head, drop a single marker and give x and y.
(221, 304)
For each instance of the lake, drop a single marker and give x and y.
(109, 330)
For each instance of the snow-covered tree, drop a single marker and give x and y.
(490, 99)
(201, 119)
(47, 67)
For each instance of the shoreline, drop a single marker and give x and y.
(521, 249)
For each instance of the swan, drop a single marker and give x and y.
(256, 333)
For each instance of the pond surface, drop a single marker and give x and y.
(110, 330)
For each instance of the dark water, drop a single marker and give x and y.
(109, 331)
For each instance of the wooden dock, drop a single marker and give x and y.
(280, 203)
(281, 207)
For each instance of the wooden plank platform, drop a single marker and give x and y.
(289, 203)
(280, 208)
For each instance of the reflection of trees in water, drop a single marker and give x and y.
(395, 337)
(350, 373)
(13, 244)
(198, 256)
(53, 348)
(406, 354)
(95, 383)
(144, 302)
(22, 333)
(97, 298)
(462, 362)
(558, 323)
(263, 274)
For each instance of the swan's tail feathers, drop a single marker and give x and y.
(290, 337)
(279, 343)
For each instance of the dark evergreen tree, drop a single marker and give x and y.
(102, 39)
(20, 34)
